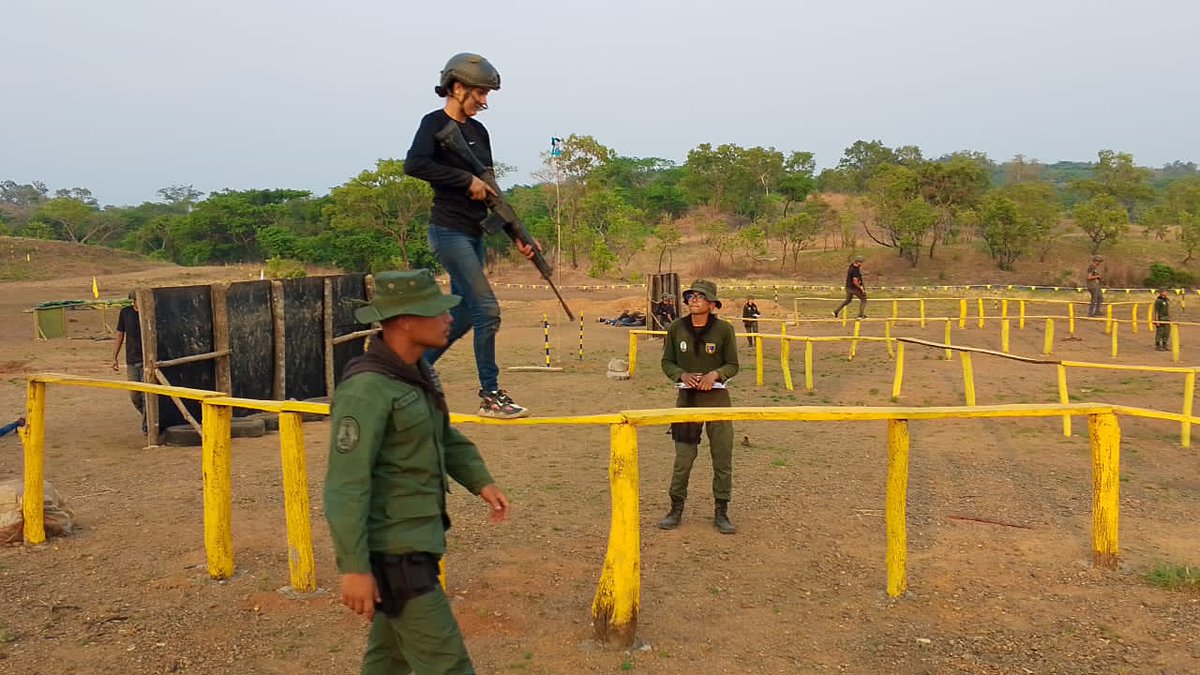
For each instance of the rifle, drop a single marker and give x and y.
(502, 216)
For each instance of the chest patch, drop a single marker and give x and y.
(710, 348)
(347, 435)
(683, 345)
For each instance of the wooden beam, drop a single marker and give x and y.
(328, 343)
(350, 337)
(194, 358)
(220, 318)
(147, 317)
(179, 404)
(279, 383)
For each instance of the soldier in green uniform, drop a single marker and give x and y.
(700, 355)
(1162, 321)
(390, 453)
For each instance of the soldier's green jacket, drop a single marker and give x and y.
(699, 350)
(390, 451)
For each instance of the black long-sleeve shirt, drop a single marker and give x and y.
(449, 176)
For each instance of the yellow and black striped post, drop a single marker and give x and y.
(581, 336)
(546, 337)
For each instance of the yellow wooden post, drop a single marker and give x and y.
(887, 333)
(968, 378)
(1150, 318)
(854, 343)
(1115, 327)
(981, 312)
(633, 340)
(218, 499)
(1106, 488)
(295, 503)
(1071, 319)
(894, 511)
(1003, 308)
(1133, 318)
(1021, 309)
(1048, 343)
(1004, 331)
(615, 608)
(845, 316)
(895, 308)
(1108, 321)
(808, 374)
(33, 435)
(922, 309)
(1064, 397)
(949, 352)
(1189, 395)
(962, 313)
(758, 361)
(785, 356)
(1175, 342)
(899, 377)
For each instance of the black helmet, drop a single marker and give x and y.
(471, 69)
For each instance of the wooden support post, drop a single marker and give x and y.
(1003, 308)
(758, 360)
(218, 495)
(1064, 397)
(968, 378)
(895, 308)
(898, 378)
(785, 356)
(279, 339)
(981, 313)
(1048, 343)
(220, 316)
(949, 352)
(1189, 396)
(1004, 331)
(962, 313)
(1106, 488)
(854, 342)
(922, 310)
(1021, 309)
(1115, 327)
(1070, 319)
(295, 503)
(1108, 320)
(887, 333)
(808, 365)
(633, 340)
(615, 607)
(33, 435)
(147, 316)
(327, 317)
(1175, 342)
(895, 507)
(1133, 320)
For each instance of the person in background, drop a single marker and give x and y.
(1162, 321)
(854, 288)
(1093, 285)
(129, 334)
(750, 311)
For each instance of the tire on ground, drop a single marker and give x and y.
(240, 427)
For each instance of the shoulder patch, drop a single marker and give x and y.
(683, 345)
(347, 435)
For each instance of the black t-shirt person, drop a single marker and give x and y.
(127, 323)
(855, 272)
(447, 174)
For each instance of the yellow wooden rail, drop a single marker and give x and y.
(616, 602)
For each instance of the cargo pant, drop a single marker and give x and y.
(720, 441)
(424, 639)
(1162, 334)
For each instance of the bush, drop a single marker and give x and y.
(285, 268)
(1166, 276)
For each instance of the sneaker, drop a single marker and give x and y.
(862, 316)
(500, 405)
(835, 314)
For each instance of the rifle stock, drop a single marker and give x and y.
(502, 216)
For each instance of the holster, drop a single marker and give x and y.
(401, 578)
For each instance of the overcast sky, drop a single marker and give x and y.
(128, 96)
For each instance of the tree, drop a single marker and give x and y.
(383, 199)
(1103, 219)
(950, 185)
(1039, 209)
(665, 239)
(73, 219)
(1007, 236)
(225, 226)
(862, 159)
(1181, 206)
(578, 172)
(893, 193)
(1116, 175)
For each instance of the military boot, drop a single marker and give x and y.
(673, 516)
(721, 518)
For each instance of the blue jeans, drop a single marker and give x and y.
(462, 256)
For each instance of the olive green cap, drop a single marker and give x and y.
(704, 287)
(407, 293)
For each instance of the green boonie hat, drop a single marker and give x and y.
(704, 287)
(859, 258)
(408, 293)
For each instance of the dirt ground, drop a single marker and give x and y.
(999, 518)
